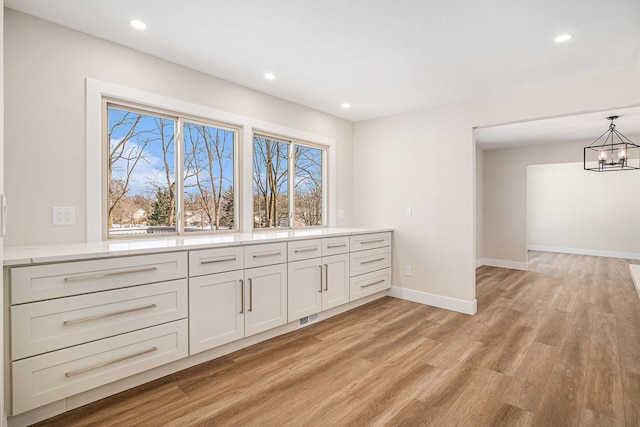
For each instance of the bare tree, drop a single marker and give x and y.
(270, 171)
(308, 185)
(206, 149)
(124, 154)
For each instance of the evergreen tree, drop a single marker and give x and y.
(161, 208)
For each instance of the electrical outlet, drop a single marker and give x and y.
(408, 212)
(407, 270)
(340, 213)
(64, 216)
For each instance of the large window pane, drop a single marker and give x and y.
(208, 178)
(270, 182)
(140, 173)
(308, 186)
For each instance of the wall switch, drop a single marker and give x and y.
(407, 270)
(408, 212)
(64, 216)
(340, 213)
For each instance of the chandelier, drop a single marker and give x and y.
(612, 151)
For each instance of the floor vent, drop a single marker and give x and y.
(308, 320)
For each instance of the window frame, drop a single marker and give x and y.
(96, 89)
(179, 169)
(291, 170)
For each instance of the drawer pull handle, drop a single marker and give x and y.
(101, 365)
(102, 316)
(213, 261)
(241, 296)
(371, 284)
(264, 254)
(372, 260)
(250, 295)
(320, 267)
(341, 245)
(309, 249)
(326, 277)
(364, 242)
(110, 274)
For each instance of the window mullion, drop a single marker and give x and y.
(179, 176)
(292, 177)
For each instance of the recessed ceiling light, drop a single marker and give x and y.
(563, 38)
(138, 25)
(345, 105)
(270, 76)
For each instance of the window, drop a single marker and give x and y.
(148, 152)
(288, 179)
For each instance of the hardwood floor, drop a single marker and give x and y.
(558, 345)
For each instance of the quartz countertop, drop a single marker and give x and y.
(35, 254)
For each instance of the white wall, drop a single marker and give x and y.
(479, 205)
(3, 417)
(577, 211)
(46, 68)
(505, 197)
(425, 160)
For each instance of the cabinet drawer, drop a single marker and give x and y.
(304, 249)
(335, 245)
(44, 326)
(209, 261)
(53, 376)
(363, 242)
(368, 261)
(370, 283)
(266, 254)
(41, 282)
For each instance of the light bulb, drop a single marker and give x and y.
(622, 154)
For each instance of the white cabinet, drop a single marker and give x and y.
(370, 264)
(218, 260)
(216, 314)
(265, 298)
(319, 283)
(228, 306)
(363, 242)
(49, 325)
(48, 281)
(48, 377)
(371, 260)
(335, 290)
(305, 288)
(80, 325)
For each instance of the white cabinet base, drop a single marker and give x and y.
(44, 379)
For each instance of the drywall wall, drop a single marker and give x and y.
(505, 197)
(3, 417)
(425, 160)
(573, 210)
(479, 206)
(46, 68)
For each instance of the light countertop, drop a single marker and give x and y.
(34, 254)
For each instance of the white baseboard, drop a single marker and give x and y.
(454, 304)
(503, 263)
(479, 262)
(591, 252)
(635, 274)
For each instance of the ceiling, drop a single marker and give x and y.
(584, 127)
(383, 57)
